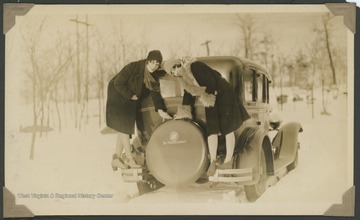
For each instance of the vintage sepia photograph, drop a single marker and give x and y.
(179, 109)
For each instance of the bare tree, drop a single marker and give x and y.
(266, 54)
(31, 41)
(327, 34)
(327, 48)
(247, 27)
(340, 57)
(45, 74)
(100, 88)
(314, 60)
(58, 71)
(282, 60)
(103, 66)
(122, 41)
(316, 50)
(82, 78)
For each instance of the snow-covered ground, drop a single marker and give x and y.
(78, 162)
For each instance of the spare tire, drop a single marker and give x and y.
(176, 153)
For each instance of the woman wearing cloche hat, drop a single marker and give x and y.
(134, 82)
(224, 113)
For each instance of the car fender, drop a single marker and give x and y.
(250, 156)
(286, 140)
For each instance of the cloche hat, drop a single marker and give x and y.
(168, 64)
(155, 55)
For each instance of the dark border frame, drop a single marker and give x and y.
(272, 2)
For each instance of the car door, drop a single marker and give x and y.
(256, 95)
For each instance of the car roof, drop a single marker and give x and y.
(244, 63)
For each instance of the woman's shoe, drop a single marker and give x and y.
(212, 168)
(227, 165)
(117, 162)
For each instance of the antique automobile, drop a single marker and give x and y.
(174, 152)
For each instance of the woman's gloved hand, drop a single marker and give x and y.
(183, 112)
(164, 115)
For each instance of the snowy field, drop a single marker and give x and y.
(78, 162)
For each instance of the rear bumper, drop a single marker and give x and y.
(242, 176)
(132, 175)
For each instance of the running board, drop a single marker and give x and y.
(281, 163)
(232, 175)
(273, 179)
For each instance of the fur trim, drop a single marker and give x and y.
(187, 74)
(187, 61)
(184, 111)
(192, 89)
(208, 100)
(190, 84)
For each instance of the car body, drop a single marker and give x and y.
(175, 152)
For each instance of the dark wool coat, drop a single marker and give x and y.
(120, 109)
(227, 114)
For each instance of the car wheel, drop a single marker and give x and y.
(253, 192)
(202, 180)
(294, 164)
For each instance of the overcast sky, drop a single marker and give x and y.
(162, 25)
(166, 28)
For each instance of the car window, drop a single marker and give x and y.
(222, 66)
(256, 87)
(248, 86)
(266, 89)
(170, 87)
(260, 89)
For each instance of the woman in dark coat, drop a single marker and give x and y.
(224, 113)
(133, 83)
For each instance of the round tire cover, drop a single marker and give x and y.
(176, 153)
